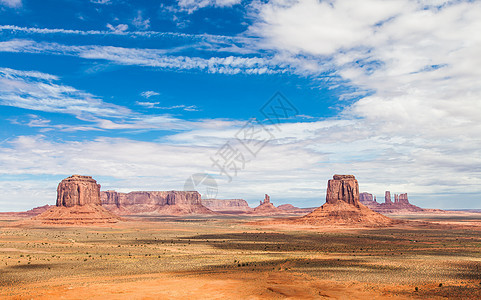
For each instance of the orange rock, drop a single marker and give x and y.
(343, 188)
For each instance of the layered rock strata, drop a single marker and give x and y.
(154, 202)
(342, 207)
(227, 205)
(78, 203)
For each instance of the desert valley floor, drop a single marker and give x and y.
(233, 257)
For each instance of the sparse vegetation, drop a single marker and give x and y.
(440, 262)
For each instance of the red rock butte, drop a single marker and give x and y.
(343, 188)
(78, 203)
(266, 208)
(342, 207)
(78, 190)
(400, 205)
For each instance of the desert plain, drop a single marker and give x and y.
(430, 255)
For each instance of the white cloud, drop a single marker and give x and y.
(11, 3)
(38, 91)
(202, 42)
(155, 58)
(417, 131)
(209, 38)
(119, 28)
(294, 167)
(147, 104)
(140, 22)
(148, 94)
(193, 5)
(419, 63)
(101, 1)
(156, 105)
(183, 107)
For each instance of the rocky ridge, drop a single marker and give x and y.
(154, 203)
(227, 205)
(400, 205)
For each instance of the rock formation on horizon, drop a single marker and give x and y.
(366, 197)
(400, 205)
(387, 197)
(343, 207)
(154, 202)
(227, 205)
(343, 188)
(78, 203)
(78, 190)
(289, 208)
(266, 208)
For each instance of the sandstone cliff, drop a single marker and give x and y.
(342, 207)
(366, 197)
(78, 190)
(387, 197)
(78, 203)
(154, 202)
(343, 188)
(227, 205)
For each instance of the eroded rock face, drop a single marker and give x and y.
(267, 199)
(366, 197)
(78, 190)
(266, 207)
(161, 202)
(342, 207)
(400, 204)
(226, 205)
(343, 188)
(387, 197)
(78, 204)
(403, 198)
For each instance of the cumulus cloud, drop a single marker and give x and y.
(415, 125)
(413, 66)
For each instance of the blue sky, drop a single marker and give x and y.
(143, 94)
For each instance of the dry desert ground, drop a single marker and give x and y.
(236, 257)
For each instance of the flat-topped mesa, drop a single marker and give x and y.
(78, 190)
(366, 197)
(154, 202)
(227, 205)
(78, 203)
(343, 188)
(343, 207)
